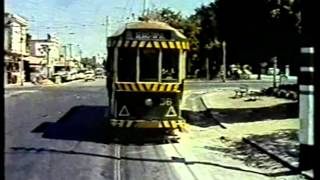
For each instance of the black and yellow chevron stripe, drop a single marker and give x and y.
(155, 87)
(170, 124)
(149, 44)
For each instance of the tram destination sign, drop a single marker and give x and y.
(148, 35)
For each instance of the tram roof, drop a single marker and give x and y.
(147, 25)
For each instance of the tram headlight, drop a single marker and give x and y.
(148, 102)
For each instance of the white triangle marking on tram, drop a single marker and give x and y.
(171, 112)
(124, 111)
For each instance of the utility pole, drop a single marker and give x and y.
(70, 50)
(47, 50)
(107, 33)
(80, 53)
(21, 67)
(145, 10)
(65, 55)
(107, 26)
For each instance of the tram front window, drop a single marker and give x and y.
(149, 66)
(170, 63)
(127, 64)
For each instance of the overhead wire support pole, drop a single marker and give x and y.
(145, 8)
(107, 30)
(70, 50)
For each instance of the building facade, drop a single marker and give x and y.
(15, 48)
(49, 50)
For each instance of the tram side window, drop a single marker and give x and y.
(127, 64)
(170, 64)
(149, 65)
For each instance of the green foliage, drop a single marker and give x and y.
(90, 62)
(254, 30)
(187, 25)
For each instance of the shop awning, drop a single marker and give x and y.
(33, 60)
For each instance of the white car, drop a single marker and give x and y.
(80, 75)
(89, 75)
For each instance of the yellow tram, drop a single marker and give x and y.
(146, 65)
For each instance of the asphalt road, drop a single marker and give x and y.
(59, 133)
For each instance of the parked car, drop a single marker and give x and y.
(89, 75)
(99, 73)
(80, 74)
(71, 76)
(62, 74)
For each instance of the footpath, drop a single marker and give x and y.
(44, 83)
(268, 124)
(253, 78)
(28, 87)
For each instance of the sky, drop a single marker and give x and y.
(83, 22)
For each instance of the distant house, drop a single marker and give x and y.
(15, 48)
(41, 48)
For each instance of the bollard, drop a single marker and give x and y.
(306, 108)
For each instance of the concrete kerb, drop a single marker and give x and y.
(71, 82)
(277, 158)
(294, 168)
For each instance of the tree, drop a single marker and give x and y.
(254, 30)
(189, 26)
(89, 62)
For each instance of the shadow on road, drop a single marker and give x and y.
(282, 143)
(89, 123)
(80, 123)
(172, 160)
(213, 117)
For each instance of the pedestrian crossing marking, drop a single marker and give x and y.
(171, 112)
(124, 111)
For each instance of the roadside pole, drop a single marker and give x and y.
(306, 108)
(208, 69)
(65, 56)
(21, 61)
(224, 77)
(309, 90)
(275, 61)
(21, 71)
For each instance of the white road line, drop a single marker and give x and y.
(116, 169)
(19, 92)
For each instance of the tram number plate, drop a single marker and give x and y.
(166, 102)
